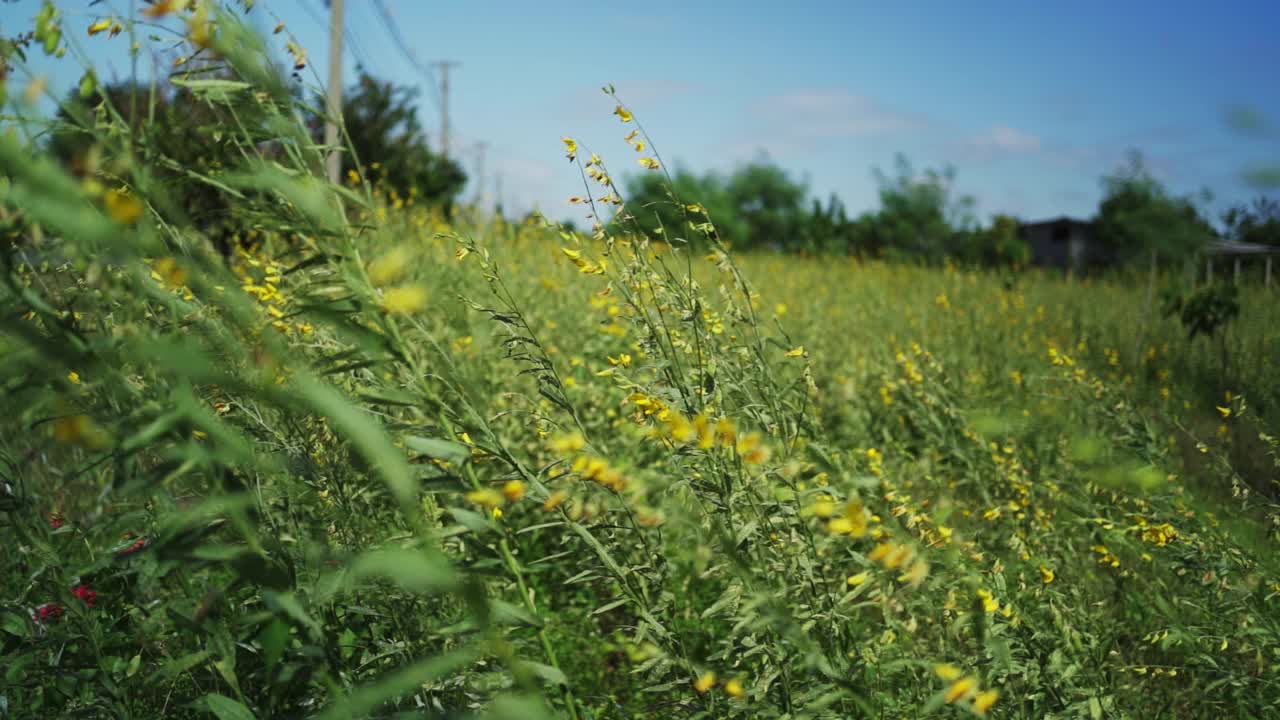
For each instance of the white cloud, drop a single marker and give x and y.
(826, 114)
(1005, 139)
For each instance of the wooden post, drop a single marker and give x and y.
(1266, 274)
(1236, 278)
(333, 106)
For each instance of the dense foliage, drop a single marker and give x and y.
(381, 463)
(386, 137)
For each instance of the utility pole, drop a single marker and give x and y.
(334, 106)
(480, 148)
(444, 66)
(497, 191)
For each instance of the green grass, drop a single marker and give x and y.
(377, 462)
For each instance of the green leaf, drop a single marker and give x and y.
(394, 684)
(504, 613)
(471, 520)
(609, 606)
(518, 708)
(364, 432)
(451, 452)
(226, 708)
(287, 603)
(213, 90)
(548, 673)
(415, 570)
(274, 637)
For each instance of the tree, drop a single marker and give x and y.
(993, 246)
(660, 210)
(758, 205)
(918, 215)
(1137, 218)
(187, 142)
(387, 138)
(770, 203)
(1258, 222)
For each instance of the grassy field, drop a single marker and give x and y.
(377, 462)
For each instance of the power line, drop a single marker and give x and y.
(353, 44)
(392, 30)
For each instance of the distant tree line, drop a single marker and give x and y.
(190, 140)
(921, 218)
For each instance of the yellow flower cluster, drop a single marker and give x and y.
(1106, 557)
(892, 555)
(261, 278)
(583, 264)
(512, 491)
(732, 687)
(1159, 535)
(965, 688)
(701, 431)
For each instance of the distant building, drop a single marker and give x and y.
(1237, 253)
(1064, 242)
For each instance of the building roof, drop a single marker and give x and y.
(1231, 247)
(1058, 220)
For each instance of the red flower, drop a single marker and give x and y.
(49, 612)
(86, 595)
(55, 520)
(135, 547)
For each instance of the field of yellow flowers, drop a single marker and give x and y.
(381, 463)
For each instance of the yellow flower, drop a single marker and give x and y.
(856, 580)
(796, 352)
(571, 442)
(853, 523)
(1046, 575)
(98, 27)
(734, 689)
(554, 500)
(915, 574)
(199, 28)
(168, 271)
(570, 148)
(706, 437)
(404, 300)
(989, 603)
(947, 672)
(160, 8)
(623, 114)
(389, 267)
(124, 209)
(960, 689)
(649, 163)
(751, 449)
(81, 430)
(1224, 411)
(485, 497)
(726, 433)
(74, 377)
(705, 682)
(983, 701)
(513, 490)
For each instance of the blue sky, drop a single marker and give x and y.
(1030, 102)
